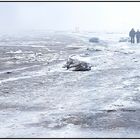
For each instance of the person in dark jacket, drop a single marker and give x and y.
(138, 36)
(132, 35)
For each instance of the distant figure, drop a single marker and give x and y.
(138, 36)
(132, 35)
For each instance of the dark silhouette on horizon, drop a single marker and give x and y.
(132, 34)
(138, 36)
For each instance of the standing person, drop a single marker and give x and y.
(138, 36)
(132, 35)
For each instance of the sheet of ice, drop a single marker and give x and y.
(39, 98)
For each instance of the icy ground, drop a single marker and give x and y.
(39, 98)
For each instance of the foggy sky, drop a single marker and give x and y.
(67, 16)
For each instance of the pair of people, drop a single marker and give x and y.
(134, 34)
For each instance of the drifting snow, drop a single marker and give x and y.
(39, 98)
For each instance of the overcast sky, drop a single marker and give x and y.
(66, 16)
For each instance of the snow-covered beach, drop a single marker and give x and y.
(40, 98)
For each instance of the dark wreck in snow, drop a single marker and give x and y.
(94, 40)
(77, 65)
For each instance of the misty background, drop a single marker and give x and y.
(68, 16)
(56, 82)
